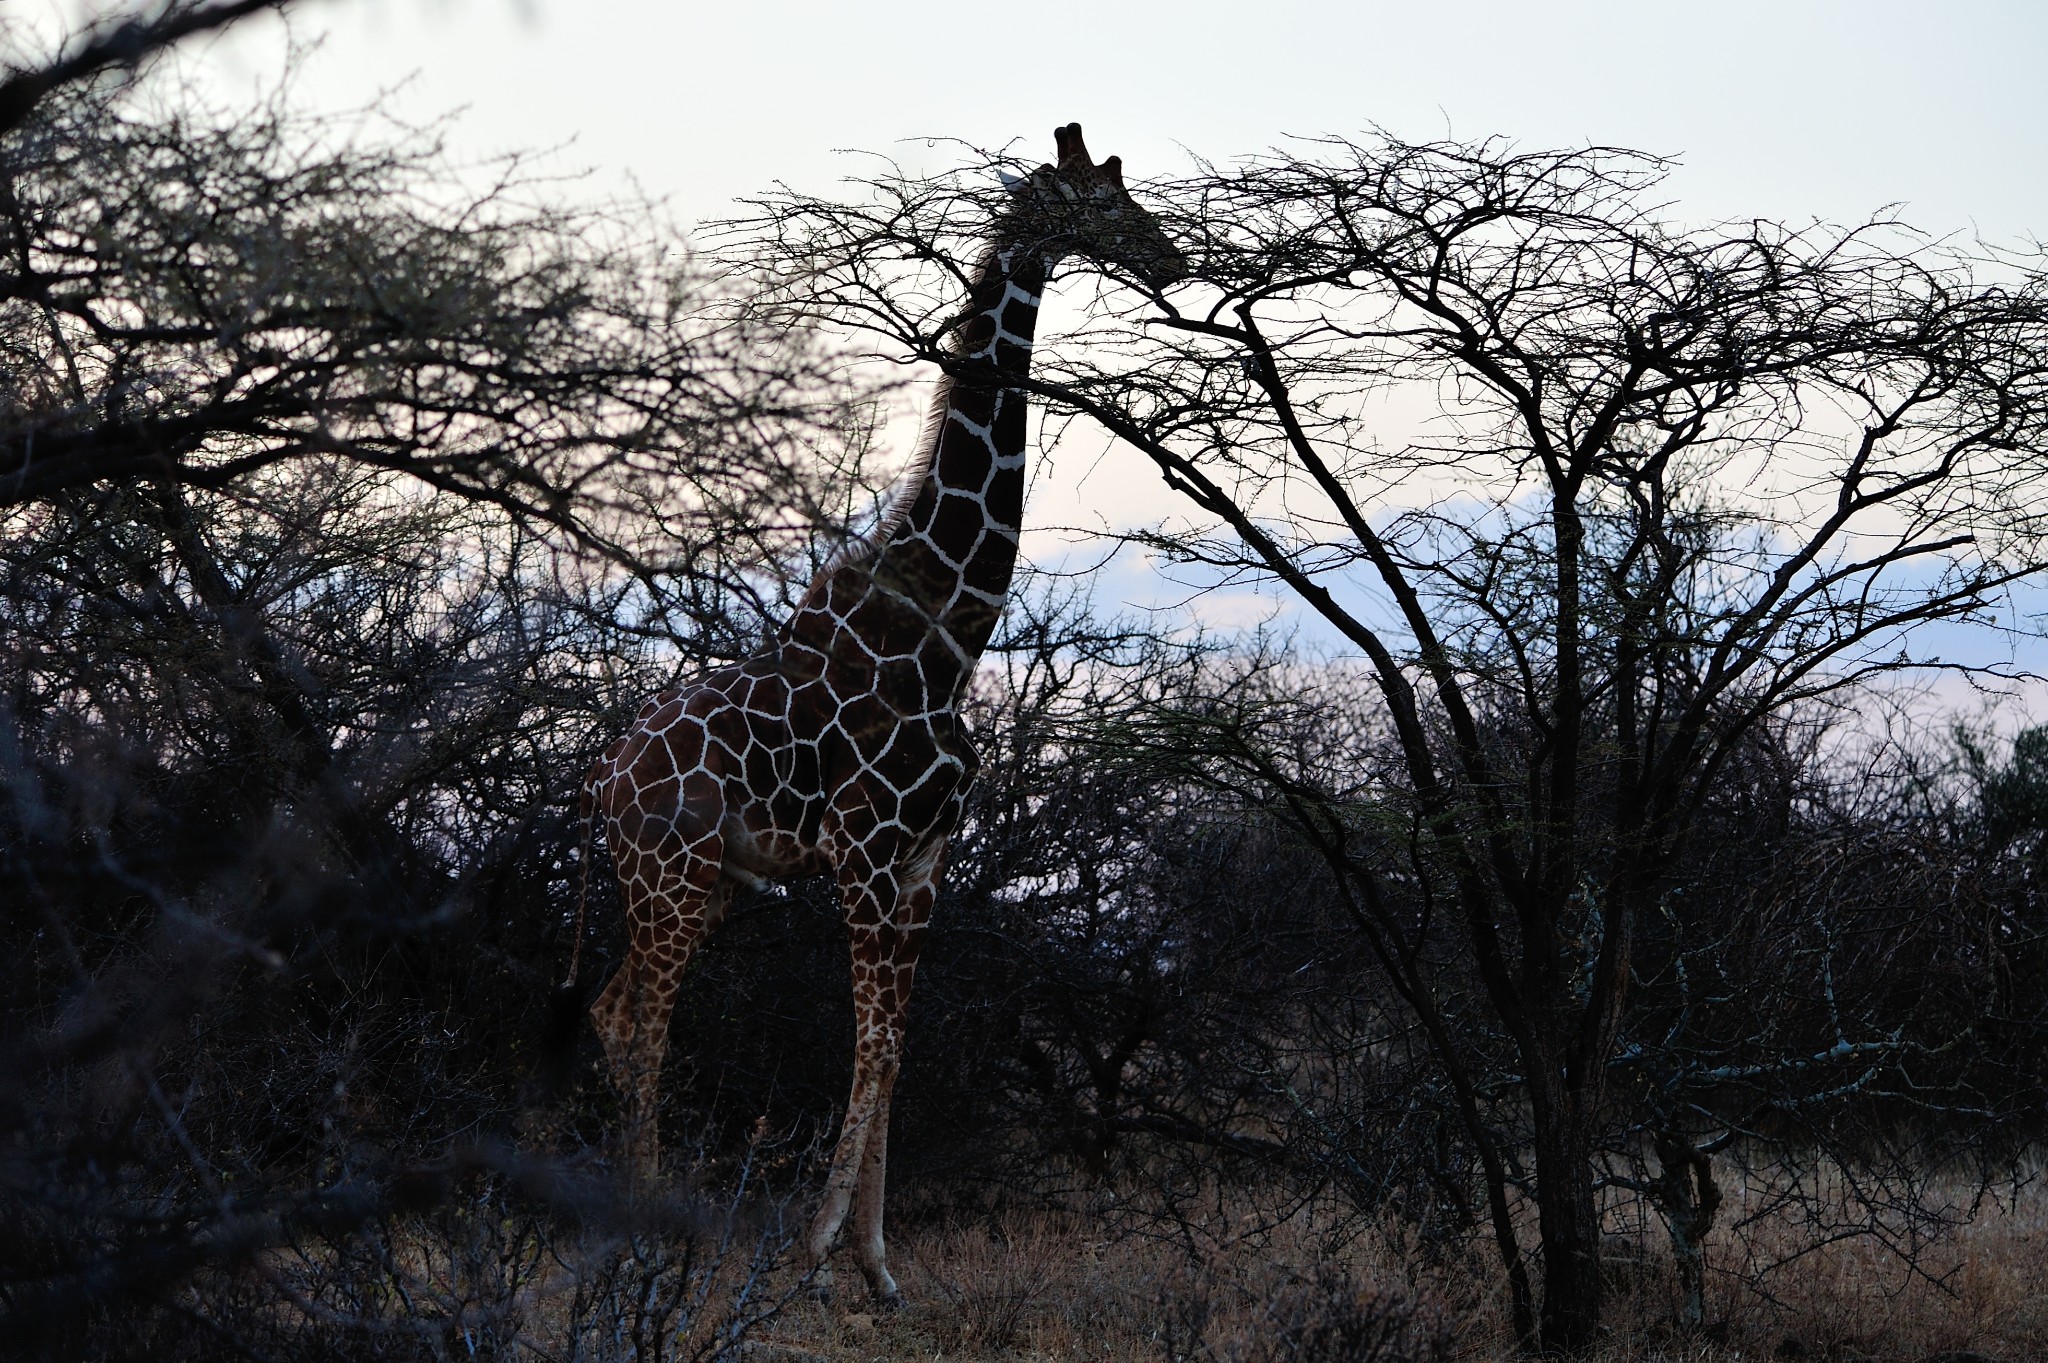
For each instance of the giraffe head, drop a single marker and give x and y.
(1080, 207)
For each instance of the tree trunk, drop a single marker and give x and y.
(1689, 1199)
(1568, 1219)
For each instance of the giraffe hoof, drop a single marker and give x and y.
(819, 1289)
(890, 1302)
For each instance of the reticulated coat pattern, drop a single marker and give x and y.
(839, 749)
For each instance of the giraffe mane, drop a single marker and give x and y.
(865, 548)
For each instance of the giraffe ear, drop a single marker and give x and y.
(1113, 167)
(1009, 181)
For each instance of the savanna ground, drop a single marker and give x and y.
(1045, 1287)
(1227, 1283)
(1042, 1286)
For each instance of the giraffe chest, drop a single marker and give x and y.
(874, 780)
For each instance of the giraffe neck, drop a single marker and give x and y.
(951, 552)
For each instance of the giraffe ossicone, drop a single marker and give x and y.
(838, 750)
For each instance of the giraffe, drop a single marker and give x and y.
(838, 749)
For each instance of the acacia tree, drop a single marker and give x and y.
(114, 39)
(191, 294)
(1666, 483)
(306, 442)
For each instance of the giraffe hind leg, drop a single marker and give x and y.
(666, 921)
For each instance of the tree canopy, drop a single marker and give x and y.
(1675, 485)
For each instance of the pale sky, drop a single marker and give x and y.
(1793, 108)
(1787, 108)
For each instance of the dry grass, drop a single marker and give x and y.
(1983, 1288)
(1228, 1288)
(1036, 1287)
(1046, 1288)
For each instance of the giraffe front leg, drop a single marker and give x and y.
(860, 1162)
(885, 950)
(868, 1245)
(840, 1180)
(895, 976)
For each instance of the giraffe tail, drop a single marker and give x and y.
(555, 1062)
(588, 812)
